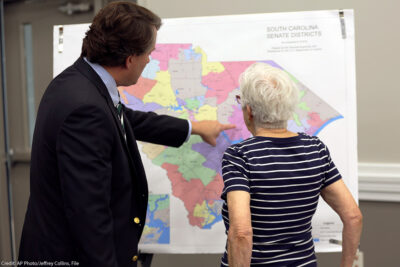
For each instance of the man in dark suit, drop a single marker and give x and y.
(88, 187)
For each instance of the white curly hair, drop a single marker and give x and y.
(271, 94)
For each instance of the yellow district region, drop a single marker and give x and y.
(202, 212)
(206, 112)
(148, 230)
(152, 150)
(208, 67)
(184, 115)
(162, 92)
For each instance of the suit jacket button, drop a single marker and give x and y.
(136, 220)
(135, 258)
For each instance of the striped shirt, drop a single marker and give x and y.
(284, 177)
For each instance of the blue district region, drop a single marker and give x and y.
(151, 69)
(159, 224)
(180, 106)
(191, 55)
(137, 104)
(216, 211)
(232, 142)
(293, 127)
(201, 98)
(326, 123)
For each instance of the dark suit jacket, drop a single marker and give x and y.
(88, 183)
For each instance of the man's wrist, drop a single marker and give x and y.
(189, 130)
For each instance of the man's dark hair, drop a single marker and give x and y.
(119, 30)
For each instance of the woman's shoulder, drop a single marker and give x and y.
(242, 145)
(309, 138)
(313, 142)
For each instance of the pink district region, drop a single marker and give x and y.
(165, 52)
(142, 87)
(236, 68)
(315, 122)
(221, 84)
(193, 192)
(240, 132)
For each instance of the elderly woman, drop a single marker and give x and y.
(273, 180)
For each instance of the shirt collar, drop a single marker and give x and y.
(107, 79)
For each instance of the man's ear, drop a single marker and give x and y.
(129, 61)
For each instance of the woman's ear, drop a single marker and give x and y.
(249, 113)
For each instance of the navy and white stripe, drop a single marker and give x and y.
(284, 177)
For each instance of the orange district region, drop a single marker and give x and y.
(142, 87)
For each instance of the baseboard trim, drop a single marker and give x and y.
(379, 181)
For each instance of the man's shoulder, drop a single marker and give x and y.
(71, 83)
(70, 90)
(71, 76)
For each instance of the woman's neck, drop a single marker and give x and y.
(279, 133)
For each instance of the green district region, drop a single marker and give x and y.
(296, 119)
(192, 103)
(301, 94)
(161, 200)
(303, 106)
(184, 116)
(190, 162)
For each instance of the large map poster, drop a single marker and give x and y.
(193, 74)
